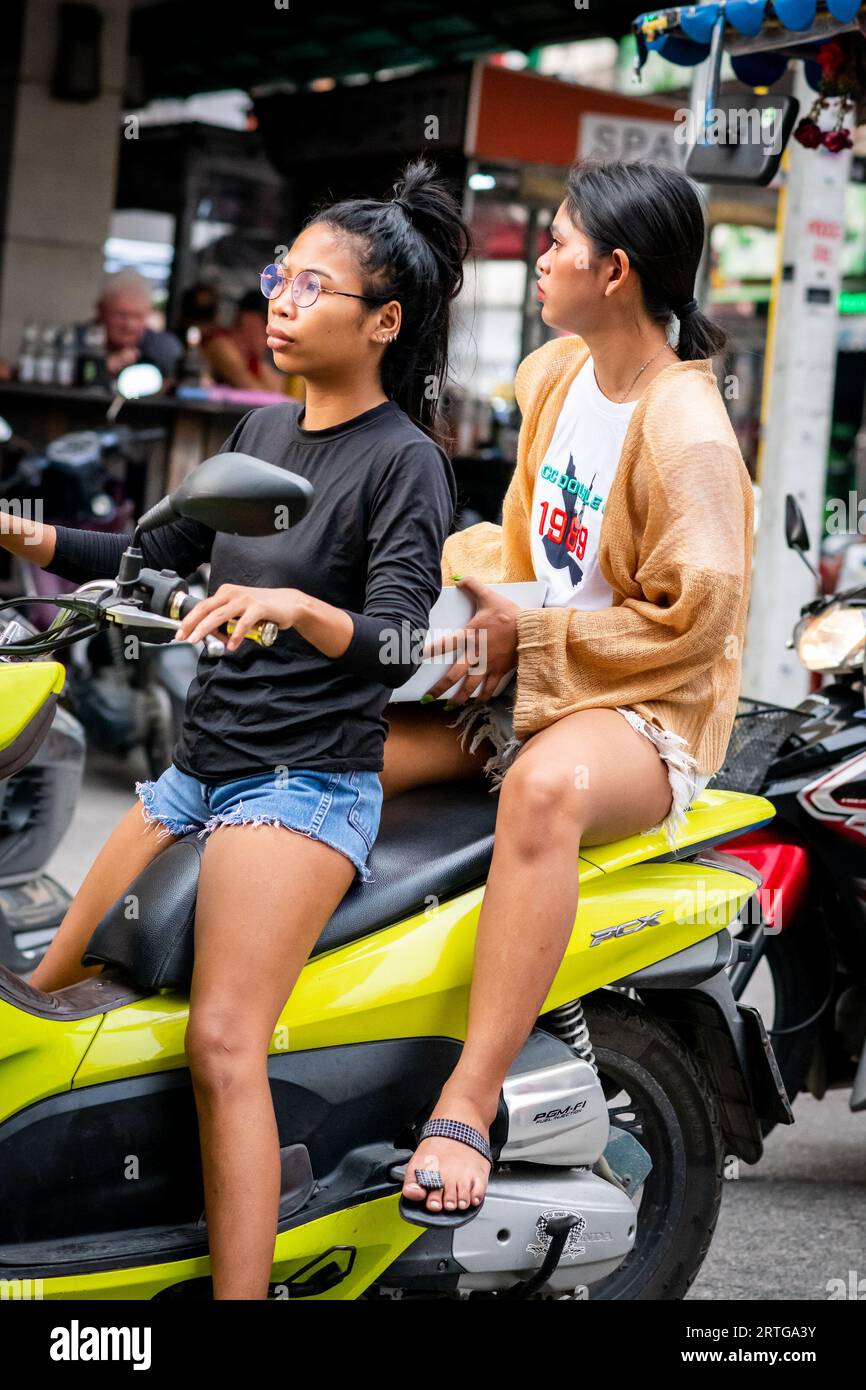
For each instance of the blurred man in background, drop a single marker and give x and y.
(123, 309)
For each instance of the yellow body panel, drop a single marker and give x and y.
(374, 1230)
(39, 1056)
(24, 688)
(713, 814)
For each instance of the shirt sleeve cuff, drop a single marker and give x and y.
(381, 650)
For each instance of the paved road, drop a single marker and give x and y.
(787, 1225)
(108, 792)
(798, 1218)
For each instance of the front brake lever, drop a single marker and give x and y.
(155, 624)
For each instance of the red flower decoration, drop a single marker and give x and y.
(831, 57)
(808, 134)
(836, 140)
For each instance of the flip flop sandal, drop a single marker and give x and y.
(416, 1211)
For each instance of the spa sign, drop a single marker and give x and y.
(624, 137)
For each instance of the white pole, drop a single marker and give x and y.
(798, 401)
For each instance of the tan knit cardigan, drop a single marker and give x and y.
(675, 547)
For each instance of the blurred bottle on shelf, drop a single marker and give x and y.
(46, 357)
(27, 353)
(192, 371)
(91, 360)
(66, 368)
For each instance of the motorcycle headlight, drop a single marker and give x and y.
(834, 640)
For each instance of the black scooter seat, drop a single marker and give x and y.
(434, 840)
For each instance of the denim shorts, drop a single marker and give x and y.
(341, 809)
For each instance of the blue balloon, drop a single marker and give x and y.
(759, 69)
(813, 73)
(747, 16)
(796, 14)
(843, 10)
(681, 51)
(698, 21)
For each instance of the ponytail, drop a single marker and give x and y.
(412, 249)
(700, 337)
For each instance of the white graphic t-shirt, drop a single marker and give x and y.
(570, 492)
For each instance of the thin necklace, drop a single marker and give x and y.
(646, 364)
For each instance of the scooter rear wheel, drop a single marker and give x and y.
(657, 1091)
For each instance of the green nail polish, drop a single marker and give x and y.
(425, 699)
(457, 576)
(449, 704)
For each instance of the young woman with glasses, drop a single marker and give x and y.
(279, 757)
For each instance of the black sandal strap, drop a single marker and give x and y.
(456, 1129)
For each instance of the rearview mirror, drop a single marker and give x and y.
(795, 526)
(237, 494)
(134, 383)
(743, 140)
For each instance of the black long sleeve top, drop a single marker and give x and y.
(370, 543)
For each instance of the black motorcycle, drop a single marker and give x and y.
(808, 921)
(124, 705)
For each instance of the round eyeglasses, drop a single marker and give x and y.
(306, 287)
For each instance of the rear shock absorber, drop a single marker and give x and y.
(568, 1023)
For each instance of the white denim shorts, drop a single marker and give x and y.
(492, 720)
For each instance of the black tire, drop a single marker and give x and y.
(676, 1119)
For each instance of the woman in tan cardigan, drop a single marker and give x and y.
(631, 499)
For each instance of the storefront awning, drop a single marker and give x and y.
(760, 35)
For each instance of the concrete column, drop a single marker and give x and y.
(798, 403)
(59, 161)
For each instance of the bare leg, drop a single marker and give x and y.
(421, 748)
(590, 778)
(129, 848)
(265, 893)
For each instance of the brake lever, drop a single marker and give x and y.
(128, 615)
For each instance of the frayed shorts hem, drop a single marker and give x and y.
(492, 720)
(171, 826)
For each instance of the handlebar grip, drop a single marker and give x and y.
(263, 633)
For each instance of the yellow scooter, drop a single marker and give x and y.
(640, 1079)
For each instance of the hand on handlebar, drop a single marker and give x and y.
(244, 612)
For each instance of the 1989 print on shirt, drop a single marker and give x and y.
(571, 489)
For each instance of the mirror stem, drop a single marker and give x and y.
(131, 562)
(811, 568)
(163, 514)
